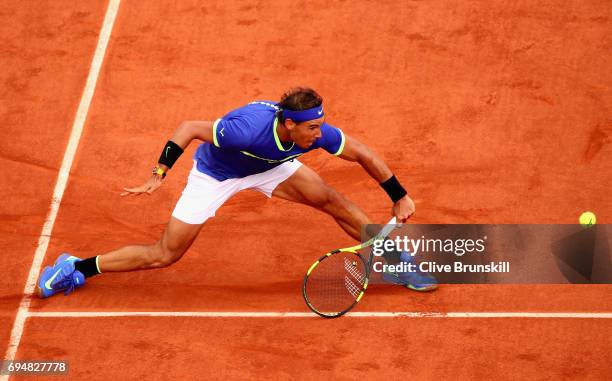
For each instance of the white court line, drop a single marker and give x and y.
(62, 179)
(254, 314)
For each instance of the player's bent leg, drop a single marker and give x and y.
(199, 201)
(305, 186)
(175, 241)
(64, 275)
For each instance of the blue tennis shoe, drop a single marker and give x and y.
(62, 276)
(414, 280)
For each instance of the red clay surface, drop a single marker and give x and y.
(348, 349)
(488, 112)
(45, 50)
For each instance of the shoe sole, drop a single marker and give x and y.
(422, 289)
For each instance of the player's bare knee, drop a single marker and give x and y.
(333, 201)
(162, 256)
(153, 256)
(321, 198)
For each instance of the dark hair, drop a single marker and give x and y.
(297, 99)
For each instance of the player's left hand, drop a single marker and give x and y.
(148, 188)
(403, 209)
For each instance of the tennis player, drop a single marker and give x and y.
(253, 147)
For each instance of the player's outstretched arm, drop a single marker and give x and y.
(183, 135)
(403, 206)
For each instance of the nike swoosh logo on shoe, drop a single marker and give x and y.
(50, 280)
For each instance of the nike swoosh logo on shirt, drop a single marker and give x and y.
(50, 280)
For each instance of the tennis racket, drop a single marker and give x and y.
(336, 282)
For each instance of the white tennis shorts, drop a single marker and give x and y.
(203, 194)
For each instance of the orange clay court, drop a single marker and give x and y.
(490, 112)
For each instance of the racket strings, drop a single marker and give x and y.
(352, 269)
(335, 283)
(351, 287)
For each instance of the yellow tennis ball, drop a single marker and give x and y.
(587, 219)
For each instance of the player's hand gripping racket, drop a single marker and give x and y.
(336, 282)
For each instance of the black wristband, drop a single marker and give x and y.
(170, 154)
(394, 189)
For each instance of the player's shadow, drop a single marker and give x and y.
(584, 256)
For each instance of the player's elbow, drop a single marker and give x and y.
(188, 129)
(184, 127)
